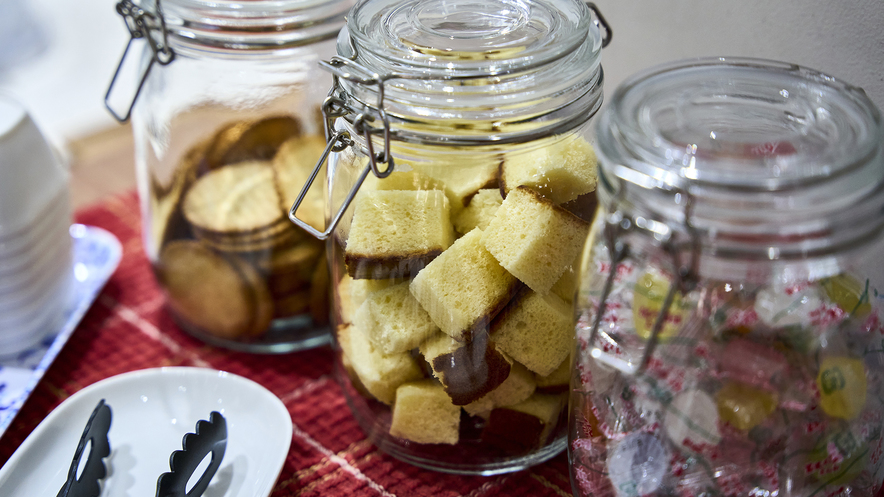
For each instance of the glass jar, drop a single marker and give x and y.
(729, 336)
(226, 121)
(459, 170)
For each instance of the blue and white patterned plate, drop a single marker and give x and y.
(96, 255)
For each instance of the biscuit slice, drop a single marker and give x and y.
(423, 413)
(379, 373)
(167, 223)
(239, 198)
(395, 233)
(292, 165)
(464, 288)
(291, 268)
(468, 371)
(250, 141)
(535, 330)
(479, 212)
(393, 320)
(221, 295)
(560, 171)
(534, 239)
(291, 304)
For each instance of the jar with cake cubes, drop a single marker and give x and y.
(224, 99)
(461, 181)
(730, 334)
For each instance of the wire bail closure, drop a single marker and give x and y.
(338, 140)
(151, 27)
(617, 224)
(336, 106)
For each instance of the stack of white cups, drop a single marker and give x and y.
(35, 242)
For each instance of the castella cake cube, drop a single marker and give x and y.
(557, 381)
(479, 212)
(464, 288)
(534, 239)
(380, 374)
(526, 425)
(461, 180)
(560, 171)
(352, 293)
(423, 413)
(393, 320)
(468, 371)
(535, 330)
(566, 286)
(395, 233)
(518, 386)
(402, 179)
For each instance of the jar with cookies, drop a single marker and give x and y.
(730, 335)
(225, 112)
(461, 183)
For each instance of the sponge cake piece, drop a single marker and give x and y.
(423, 413)
(524, 426)
(393, 320)
(518, 386)
(395, 233)
(534, 239)
(461, 180)
(535, 330)
(468, 371)
(479, 212)
(560, 171)
(464, 288)
(379, 373)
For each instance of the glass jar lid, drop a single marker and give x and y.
(765, 160)
(467, 37)
(491, 69)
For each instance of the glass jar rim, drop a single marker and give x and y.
(761, 159)
(233, 26)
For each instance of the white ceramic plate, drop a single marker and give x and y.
(152, 410)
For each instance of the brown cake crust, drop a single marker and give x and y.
(471, 371)
(404, 265)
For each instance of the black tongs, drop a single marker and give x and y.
(209, 437)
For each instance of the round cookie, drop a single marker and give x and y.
(239, 198)
(222, 296)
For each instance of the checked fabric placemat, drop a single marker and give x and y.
(127, 329)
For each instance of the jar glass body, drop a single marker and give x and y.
(709, 361)
(448, 360)
(453, 276)
(221, 135)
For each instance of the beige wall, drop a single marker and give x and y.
(844, 38)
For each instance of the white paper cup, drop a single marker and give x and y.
(35, 241)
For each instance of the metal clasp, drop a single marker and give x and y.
(602, 23)
(334, 107)
(617, 224)
(152, 28)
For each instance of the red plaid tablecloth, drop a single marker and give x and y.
(127, 329)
